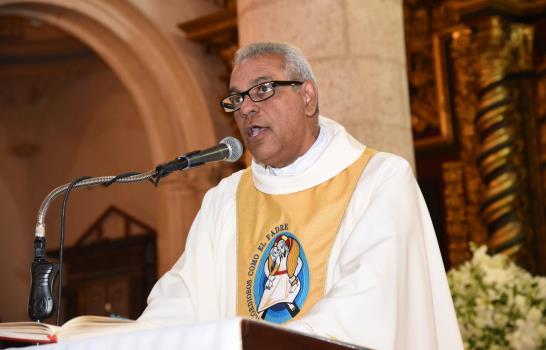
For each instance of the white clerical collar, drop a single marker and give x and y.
(333, 151)
(303, 162)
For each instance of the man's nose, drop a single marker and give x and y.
(248, 107)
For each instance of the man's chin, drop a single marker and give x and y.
(262, 158)
(265, 155)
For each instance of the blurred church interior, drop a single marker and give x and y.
(457, 87)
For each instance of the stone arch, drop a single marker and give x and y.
(160, 83)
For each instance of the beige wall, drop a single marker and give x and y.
(93, 129)
(15, 233)
(82, 124)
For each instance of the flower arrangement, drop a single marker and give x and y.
(499, 305)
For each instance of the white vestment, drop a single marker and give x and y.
(386, 286)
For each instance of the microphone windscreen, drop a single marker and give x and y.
(235, 148)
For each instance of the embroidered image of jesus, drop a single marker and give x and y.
(282, 283)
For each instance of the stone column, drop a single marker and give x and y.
(356, 49)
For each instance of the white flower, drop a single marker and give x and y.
(529, 333)
(541, 282)
(499, 305)
(521, 304)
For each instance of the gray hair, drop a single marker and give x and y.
(297, 66)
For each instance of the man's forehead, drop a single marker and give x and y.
(256, 70)
(261, 79)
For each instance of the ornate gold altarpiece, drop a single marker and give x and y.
(488, 79)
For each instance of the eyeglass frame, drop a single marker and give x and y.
(247, 92)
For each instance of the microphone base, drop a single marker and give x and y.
(41, 301)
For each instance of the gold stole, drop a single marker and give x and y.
(284, 242)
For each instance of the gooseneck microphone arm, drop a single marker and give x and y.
(102, 180)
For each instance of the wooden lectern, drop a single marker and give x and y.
(261, 336)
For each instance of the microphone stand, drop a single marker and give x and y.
(40, 303)
(44, 272)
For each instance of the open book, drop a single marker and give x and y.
(78, 327)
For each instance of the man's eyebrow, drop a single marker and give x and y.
(258, 80)
(261, 79)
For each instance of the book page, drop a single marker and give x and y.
(92, 326)
(28, 331)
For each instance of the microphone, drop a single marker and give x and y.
(229, 149)
(43, 275)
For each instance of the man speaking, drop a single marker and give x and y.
(320, 233)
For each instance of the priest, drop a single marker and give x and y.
(321, 233)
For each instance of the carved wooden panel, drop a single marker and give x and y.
(105, 276)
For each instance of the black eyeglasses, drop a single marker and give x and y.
(257, 93)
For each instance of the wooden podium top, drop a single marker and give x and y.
(262, 336)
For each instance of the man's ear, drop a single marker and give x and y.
(310, 97)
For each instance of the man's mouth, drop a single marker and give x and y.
(254, 131)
